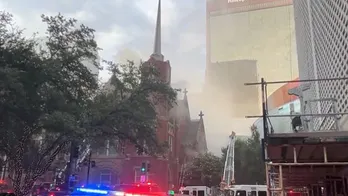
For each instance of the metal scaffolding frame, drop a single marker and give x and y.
(264, 96)
(276, 184)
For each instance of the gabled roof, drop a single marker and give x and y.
(191, 135)
(180, 109)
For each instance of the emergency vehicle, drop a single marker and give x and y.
(142, 189)
(195, 191)
(246, 190)
(5, 187)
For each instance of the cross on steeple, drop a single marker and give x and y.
(201, 114)
(185, 91)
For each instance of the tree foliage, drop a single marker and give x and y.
(43, 94)
(249, 165)
(205, 170)
(49, 98)
(126, 109)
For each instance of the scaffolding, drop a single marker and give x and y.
(302, 164)
(308, 163)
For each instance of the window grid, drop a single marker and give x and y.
(322, 41)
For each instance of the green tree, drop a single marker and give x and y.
(206, 170)
(49, 98)
(127, 107)
(249, 165)
(44, 94)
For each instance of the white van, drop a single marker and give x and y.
(246, 190)
(195, 191)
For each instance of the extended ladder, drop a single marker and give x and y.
(228, 175)
(182, 173)
(80, 159)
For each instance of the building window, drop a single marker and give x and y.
(105, 177)
(170, 143)
(138, 175)
(109, 148)
(101, 150)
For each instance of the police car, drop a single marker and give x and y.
(143, 189)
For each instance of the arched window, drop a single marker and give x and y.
(105, 177)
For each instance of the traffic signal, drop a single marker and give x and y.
(93, 164)
(148, 167)
(143, 167)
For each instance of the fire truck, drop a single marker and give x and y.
(195, 191)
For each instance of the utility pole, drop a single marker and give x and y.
(88, 167)
(264, 108)
(71, 165)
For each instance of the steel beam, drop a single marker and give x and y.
(315, 134)
(292, 115)
(295, 81)
(309, 164)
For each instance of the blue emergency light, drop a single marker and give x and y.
(89, 190)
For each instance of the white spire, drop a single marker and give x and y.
(157, 53)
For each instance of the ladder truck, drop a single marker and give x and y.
(227, 185)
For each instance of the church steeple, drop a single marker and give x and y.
(157, 52)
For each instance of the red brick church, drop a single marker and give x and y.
(185, 137)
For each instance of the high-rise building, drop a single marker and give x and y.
(227, 88)
(322, 45)
(258, 31)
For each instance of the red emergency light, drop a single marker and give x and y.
(292, 193)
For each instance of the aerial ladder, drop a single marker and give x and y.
(182, 173)
(228, 174)
(84, 152)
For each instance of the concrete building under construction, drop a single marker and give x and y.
(260, 32)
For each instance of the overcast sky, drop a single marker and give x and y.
(128, 25)
(125, 28)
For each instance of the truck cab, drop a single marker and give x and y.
(246, 190)
(195, 191)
